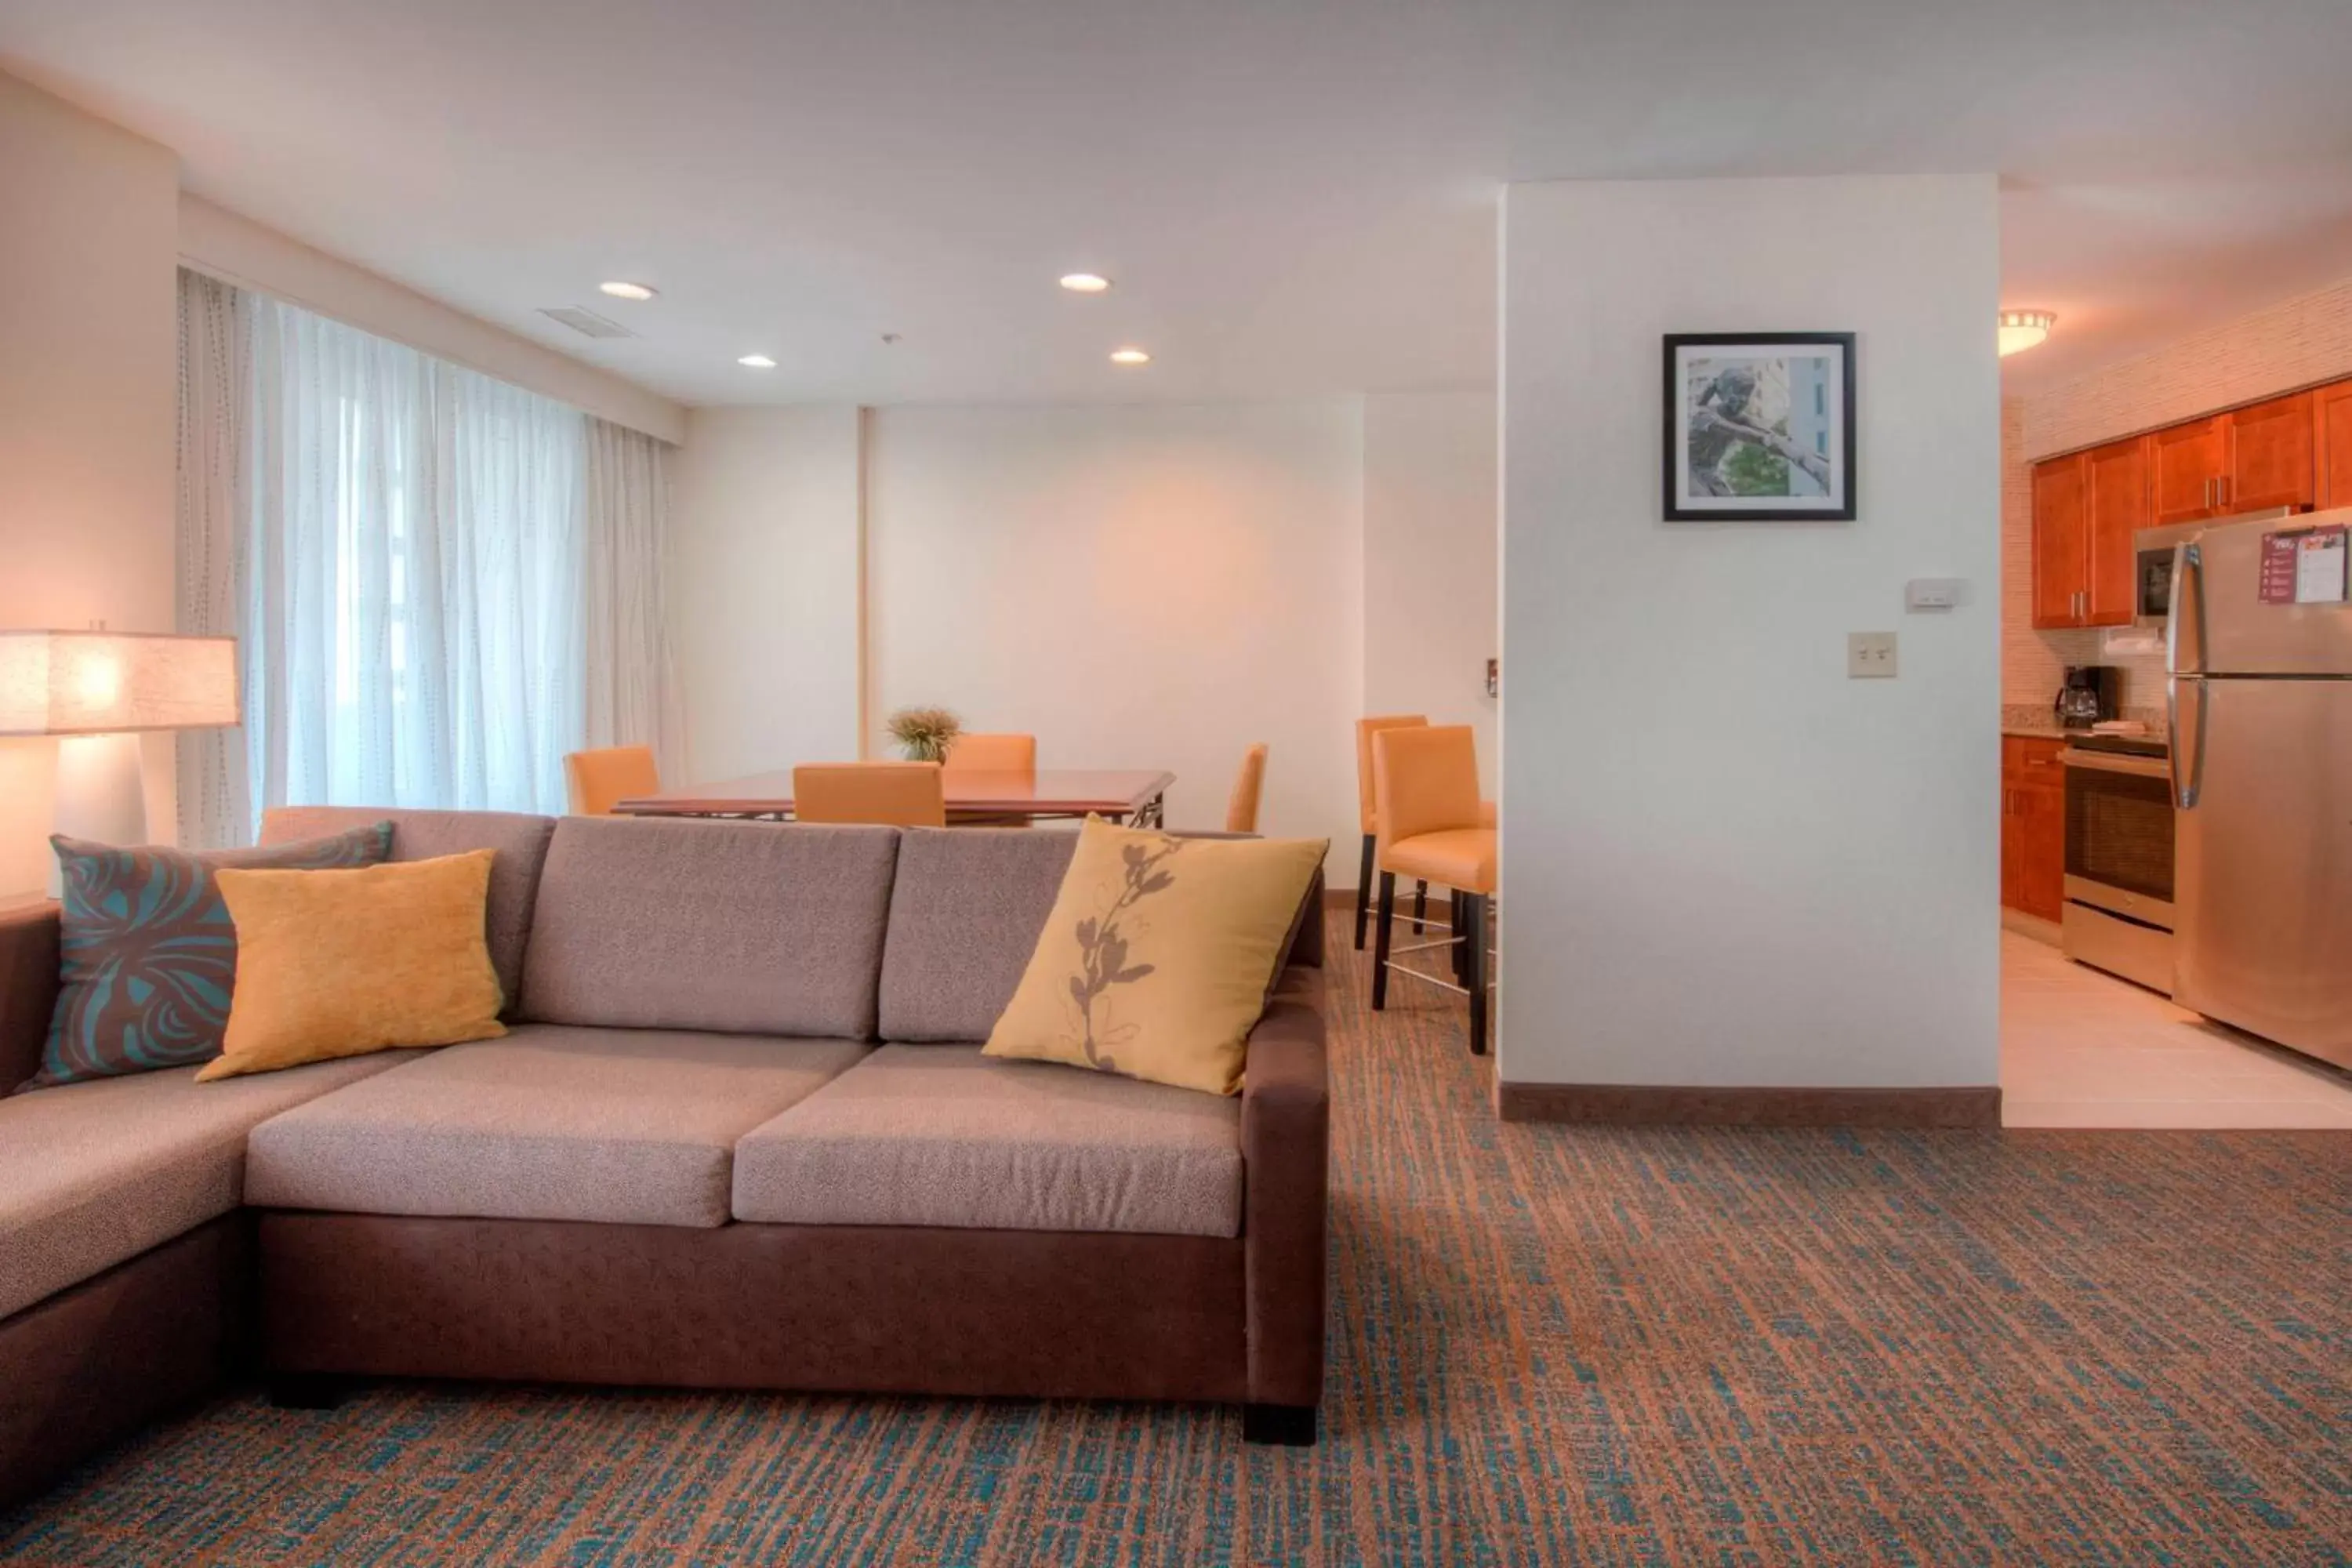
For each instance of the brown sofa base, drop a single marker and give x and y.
(92, 1364)
(848, 1308)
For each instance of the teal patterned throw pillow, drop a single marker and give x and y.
(148, 954)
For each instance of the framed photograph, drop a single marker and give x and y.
(1760, 427)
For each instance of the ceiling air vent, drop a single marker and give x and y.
(588, 324)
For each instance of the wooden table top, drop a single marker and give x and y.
(1048, 792)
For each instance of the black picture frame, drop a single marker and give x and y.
(1684, 502)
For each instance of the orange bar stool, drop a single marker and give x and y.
(1368, 815)
(596, 781)
(1241, 809)
(1434, 828)
(893, 794)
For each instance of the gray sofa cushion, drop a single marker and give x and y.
(942, 1135)
(521, 842)
(748, 927)
(94, 1174)
(964, 919)
(623, 1126)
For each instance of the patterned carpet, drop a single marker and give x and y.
(1549, 1346)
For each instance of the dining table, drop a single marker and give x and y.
(1135, 796)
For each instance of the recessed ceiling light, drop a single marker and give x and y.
(2023, 330)
(621, 290)
(1129, 356)
(757, 361)
(1085, 283)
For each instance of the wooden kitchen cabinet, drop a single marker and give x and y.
(2270, 455)
(2331, 426)
(2032, 826)
(2185, 465)
(2116, 482)
(2061, 523)
(2086, 508)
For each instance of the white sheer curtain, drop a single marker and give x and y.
(412, 626)
(215, 397)
(632, 679)
(441, 582)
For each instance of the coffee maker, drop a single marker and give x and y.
(2089, 694)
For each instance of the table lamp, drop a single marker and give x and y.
(97, 689)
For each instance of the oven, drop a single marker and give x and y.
(2119, 860)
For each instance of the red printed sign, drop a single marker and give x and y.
(2304, 566)
(2278, 568)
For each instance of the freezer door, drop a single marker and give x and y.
(2264, 879)
(2222, 627)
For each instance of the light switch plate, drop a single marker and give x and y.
(1869, 655)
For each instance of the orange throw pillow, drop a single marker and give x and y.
(343, 963)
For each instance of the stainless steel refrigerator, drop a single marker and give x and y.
(2261, 698)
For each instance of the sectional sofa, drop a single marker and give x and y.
(739, 1135)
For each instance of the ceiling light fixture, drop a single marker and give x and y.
(1129, 356)
(1085, 283)
(757, 362)
(2023, 330)
(621, 290)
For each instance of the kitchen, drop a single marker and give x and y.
(2176, 736)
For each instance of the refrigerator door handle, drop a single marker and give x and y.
(2186, 786)
(2185, 654)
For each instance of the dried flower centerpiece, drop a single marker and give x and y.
(925, 733)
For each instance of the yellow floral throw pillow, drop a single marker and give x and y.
(341, 963)
(1158, 955)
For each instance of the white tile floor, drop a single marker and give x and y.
(2079, 1049)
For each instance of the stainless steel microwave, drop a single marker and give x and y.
(2152, 569)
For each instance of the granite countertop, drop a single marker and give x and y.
(2035, 721)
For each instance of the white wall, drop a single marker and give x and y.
(1140, 587)
(1429, 560)
(763, 581)
(1725, 864)
(89, 358)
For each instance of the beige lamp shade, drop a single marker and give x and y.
(96, 683)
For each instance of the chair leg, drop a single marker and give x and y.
(1364, 893)
(1453, 948)
(1387, 917)
(1476, 912)
(1420, 906)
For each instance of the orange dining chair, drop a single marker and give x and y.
(1241, 809)
(1005, 753)
(992, 754)
(598, 780)
(1433, 828)
(893, 794)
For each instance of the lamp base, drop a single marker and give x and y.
(101, 793)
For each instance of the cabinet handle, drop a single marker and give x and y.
(2221, 492)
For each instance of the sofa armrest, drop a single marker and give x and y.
(1285, 1142)
(28, 988)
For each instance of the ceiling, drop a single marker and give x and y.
(1294, 196)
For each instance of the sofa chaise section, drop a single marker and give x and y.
(118, 1198)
